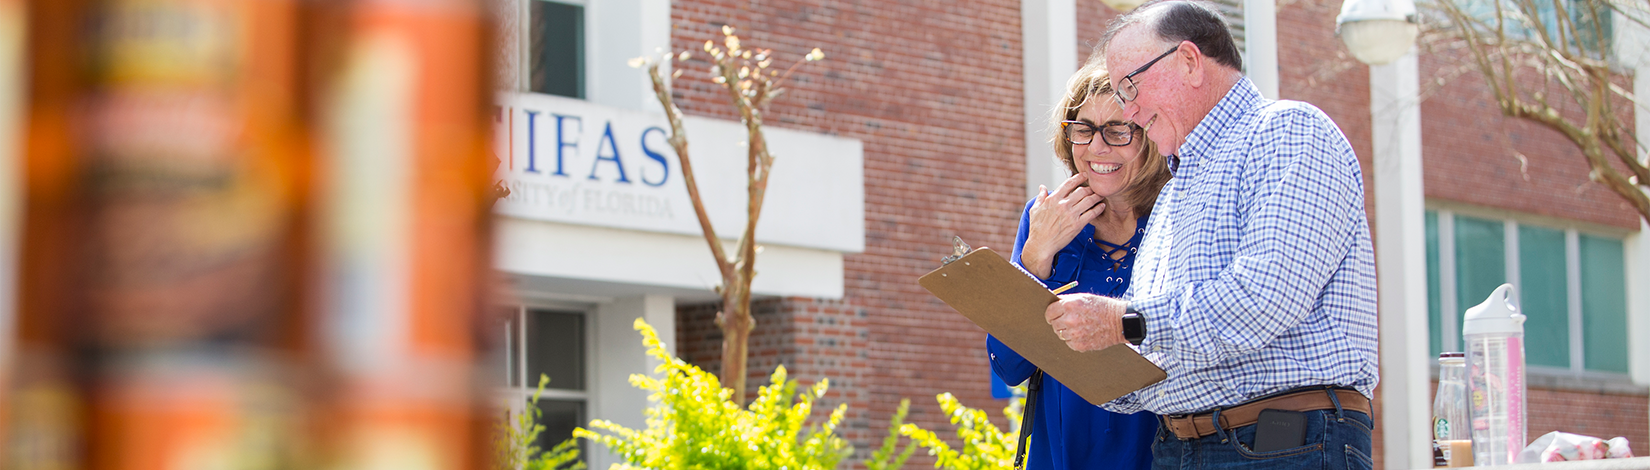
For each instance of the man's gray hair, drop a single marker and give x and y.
(1183, 20)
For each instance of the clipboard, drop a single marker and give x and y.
(1008, 303)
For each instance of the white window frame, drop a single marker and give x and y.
(515, 396)
(614, 32)
(1450, 311)
(524, 54)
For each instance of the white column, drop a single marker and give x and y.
(1638, 251)
(1048, 31)
(1400, 259)
(1638, 300)
(618, 353)
(1260, 32)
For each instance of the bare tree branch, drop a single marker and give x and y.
(744, 74)
(678, 141)
(1528, 51)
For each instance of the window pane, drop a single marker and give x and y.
(1591, 33)
(556, 49)
(1480, 261)
(555, 347)
(1603, 304)
(1544, 296)
(1435, 307)
(559, 417)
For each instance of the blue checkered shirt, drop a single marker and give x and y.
(1257, 273)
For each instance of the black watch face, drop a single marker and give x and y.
(1134, 328)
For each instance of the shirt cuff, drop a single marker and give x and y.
(1126, 404)
(1162, 315)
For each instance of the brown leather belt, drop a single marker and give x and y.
(1202, 424)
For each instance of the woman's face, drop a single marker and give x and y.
(1108, 169)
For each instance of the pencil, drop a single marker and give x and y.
(1065, 288)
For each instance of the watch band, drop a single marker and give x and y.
(1134, 326)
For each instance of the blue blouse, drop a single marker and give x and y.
(1067, 431)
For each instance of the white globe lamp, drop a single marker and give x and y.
(1123, 6)
(1377, 31)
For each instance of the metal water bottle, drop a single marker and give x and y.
(1494, 334)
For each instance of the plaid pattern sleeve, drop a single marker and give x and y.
(1257, 272)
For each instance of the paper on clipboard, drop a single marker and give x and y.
(1009, 304)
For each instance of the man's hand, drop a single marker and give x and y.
(1087, 322)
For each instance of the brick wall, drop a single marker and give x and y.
(1599, 414)
(1473, 153)
(812, 339)
(1092, 19)
(933, 89)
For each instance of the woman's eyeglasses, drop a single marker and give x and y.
(1082, 133)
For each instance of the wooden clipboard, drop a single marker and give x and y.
(1008, 303)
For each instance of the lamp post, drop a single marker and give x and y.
(1381, 33)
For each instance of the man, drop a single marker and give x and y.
(1255, 285)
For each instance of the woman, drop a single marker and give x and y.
(1086, 230)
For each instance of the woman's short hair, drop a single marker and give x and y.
(1092, 82)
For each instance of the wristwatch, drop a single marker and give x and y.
(1134, 326)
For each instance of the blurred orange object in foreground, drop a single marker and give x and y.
(406, 215)
(253, 236)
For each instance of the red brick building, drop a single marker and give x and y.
(933, 98)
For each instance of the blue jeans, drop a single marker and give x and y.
(1334, 440)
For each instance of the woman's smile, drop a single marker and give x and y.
(1105, 168)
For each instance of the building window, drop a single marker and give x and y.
(1585, 26)
(550, 343)
(1570, 284)
(555, 48)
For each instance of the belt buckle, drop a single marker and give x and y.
(1173, 423)
(1180, 424)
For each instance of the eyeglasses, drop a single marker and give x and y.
(1126, 91)
(1082, 133)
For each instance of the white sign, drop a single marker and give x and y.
(571, 161)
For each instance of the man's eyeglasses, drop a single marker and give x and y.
(1082, 133)
(1125, 87)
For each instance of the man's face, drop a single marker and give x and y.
(1160, 91)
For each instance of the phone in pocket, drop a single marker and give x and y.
(1279, 430)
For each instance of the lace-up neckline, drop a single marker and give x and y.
(1111, 249)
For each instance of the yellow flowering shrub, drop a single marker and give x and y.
(984, 446)
(692, 423)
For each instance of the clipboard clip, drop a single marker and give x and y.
(958, 249)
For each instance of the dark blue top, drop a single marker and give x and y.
(1067, 432)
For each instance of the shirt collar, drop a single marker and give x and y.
(1239, 101)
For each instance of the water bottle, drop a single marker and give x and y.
(1494, 332)
(1450, 426)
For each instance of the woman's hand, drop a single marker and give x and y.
(1056, 218)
